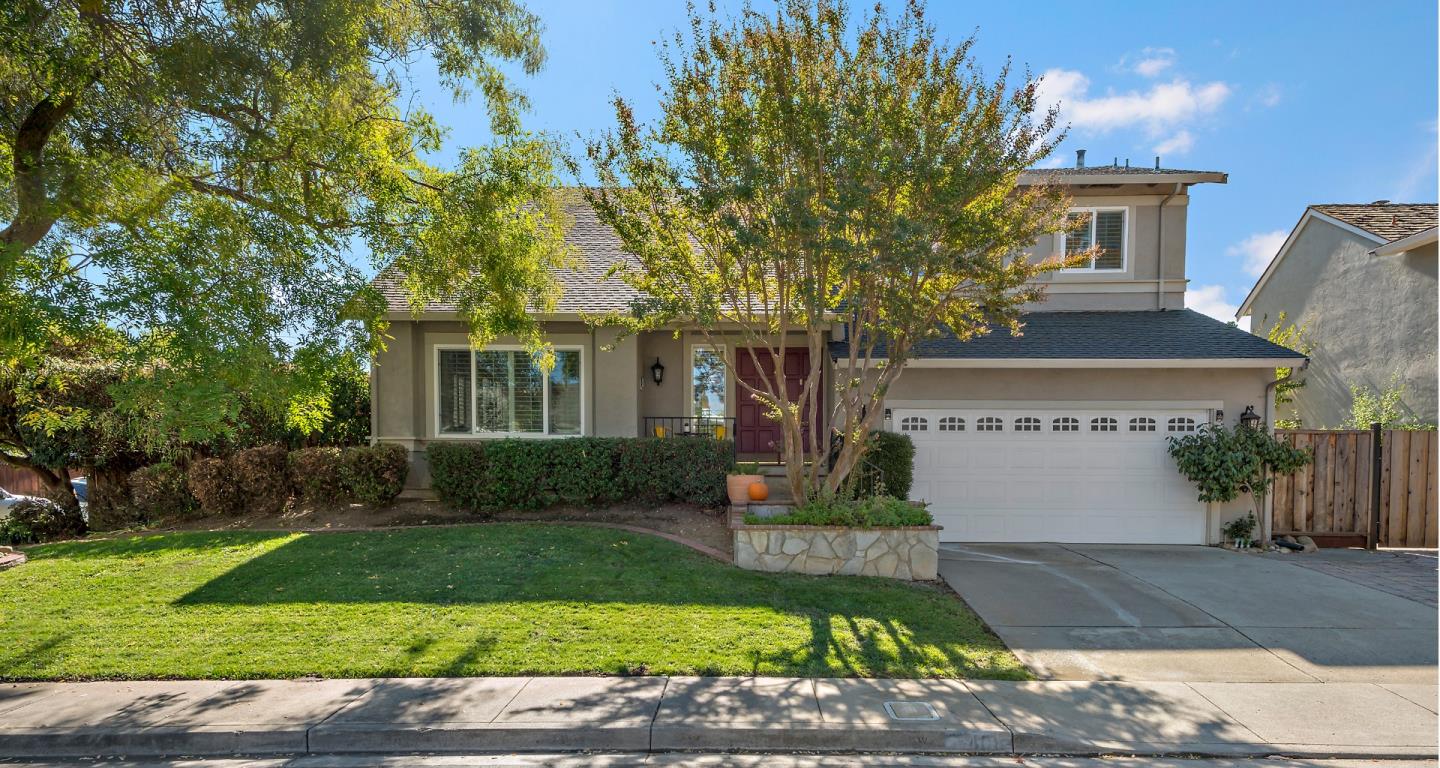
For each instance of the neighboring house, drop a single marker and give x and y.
(1058, 435)
(1360, 281)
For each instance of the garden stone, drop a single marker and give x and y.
(793, 545)
(909, 554)
(1308, 543)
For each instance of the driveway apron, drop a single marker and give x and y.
(1188, 614)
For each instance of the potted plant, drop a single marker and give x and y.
(737, 482)
(1240, 531)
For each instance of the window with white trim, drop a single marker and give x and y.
(952, 424)
(1104, 424)
(1027, 424)
(914, 424)
(1104, 227)
(502, 391)
(989, 424)
(707, 383)
(1142, 424)
(1180, 424)
(1065, 424)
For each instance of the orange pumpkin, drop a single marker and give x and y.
(759, 491)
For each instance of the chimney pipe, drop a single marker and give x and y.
(1157, 162)
(1079, 158)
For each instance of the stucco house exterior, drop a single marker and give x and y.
(1057, 435)
(1361, 281)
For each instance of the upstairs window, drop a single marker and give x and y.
(1096, 226)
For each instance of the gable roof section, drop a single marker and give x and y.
(585, 288)
(1380, 223)
(1392, 221)
(1079, 338)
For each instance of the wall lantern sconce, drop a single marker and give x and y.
(1250, 418)
(657, 371)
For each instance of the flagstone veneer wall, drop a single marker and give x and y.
(897, 553)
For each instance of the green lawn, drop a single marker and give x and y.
(500, 599)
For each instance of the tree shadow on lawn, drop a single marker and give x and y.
(889, 626)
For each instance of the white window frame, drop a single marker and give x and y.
(475, 432)
(689, 404)
(1124, 238)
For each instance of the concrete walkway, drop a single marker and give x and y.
(1190, 614)
(663, 715)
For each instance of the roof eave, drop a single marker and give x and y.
(1100, 362)
(1423, 237)
(1199, 177)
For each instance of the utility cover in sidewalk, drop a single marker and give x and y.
(911, 710)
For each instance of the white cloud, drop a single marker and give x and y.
(1178, 144)
(1154, 61)
(1269, 95)
(1158, 110)
(1258, 249)
(1210, 300)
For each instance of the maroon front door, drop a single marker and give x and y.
(754, 432)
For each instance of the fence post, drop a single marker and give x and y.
(1372, 539)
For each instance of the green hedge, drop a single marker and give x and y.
(584, 471)
(893, 454)
(877, 512)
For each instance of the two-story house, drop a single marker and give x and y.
(1056, 435)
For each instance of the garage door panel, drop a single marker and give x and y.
(1083, 476)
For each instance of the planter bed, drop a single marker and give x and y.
(909, 553)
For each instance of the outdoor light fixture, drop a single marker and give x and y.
(1250, 418)
(657, 371)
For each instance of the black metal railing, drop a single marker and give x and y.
(711, 427)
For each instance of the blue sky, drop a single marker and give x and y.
(1301, 103)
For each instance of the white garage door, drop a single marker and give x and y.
(1054, 474)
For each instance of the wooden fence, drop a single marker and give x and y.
(1332, 496)
(20, 480)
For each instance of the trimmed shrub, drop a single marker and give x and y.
(261, 475)
(375, 474)
(37, 520)
(158, 492)
(876, 512)
(888, 465)
(315, 474)
(534, 474)
(213, 484)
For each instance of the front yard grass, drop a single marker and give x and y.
(498, 599)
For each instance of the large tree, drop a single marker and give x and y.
(209, 178)
(807, 170)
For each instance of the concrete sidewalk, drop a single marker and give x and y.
(660, 714)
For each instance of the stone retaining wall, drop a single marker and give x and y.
(909, 553)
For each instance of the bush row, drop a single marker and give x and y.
(262, 480)
(875, 512)
(534, 474)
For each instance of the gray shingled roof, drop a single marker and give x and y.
(1114, 170)
(1149, 335)
(585, 288)
(1392, 221)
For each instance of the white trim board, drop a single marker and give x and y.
(1058, 362)
(1423, 237)
(1310, 214)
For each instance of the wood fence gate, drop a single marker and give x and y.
(1332, 496)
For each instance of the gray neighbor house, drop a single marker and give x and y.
(1361, 282)
(1056, 435)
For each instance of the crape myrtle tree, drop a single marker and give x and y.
(204, 177)
(810, 168)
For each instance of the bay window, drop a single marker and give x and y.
(500, 391)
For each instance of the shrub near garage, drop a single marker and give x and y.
(888, 465)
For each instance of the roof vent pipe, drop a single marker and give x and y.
(1157, 162)
(1079, 158)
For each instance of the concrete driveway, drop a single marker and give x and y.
(1189, 614)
